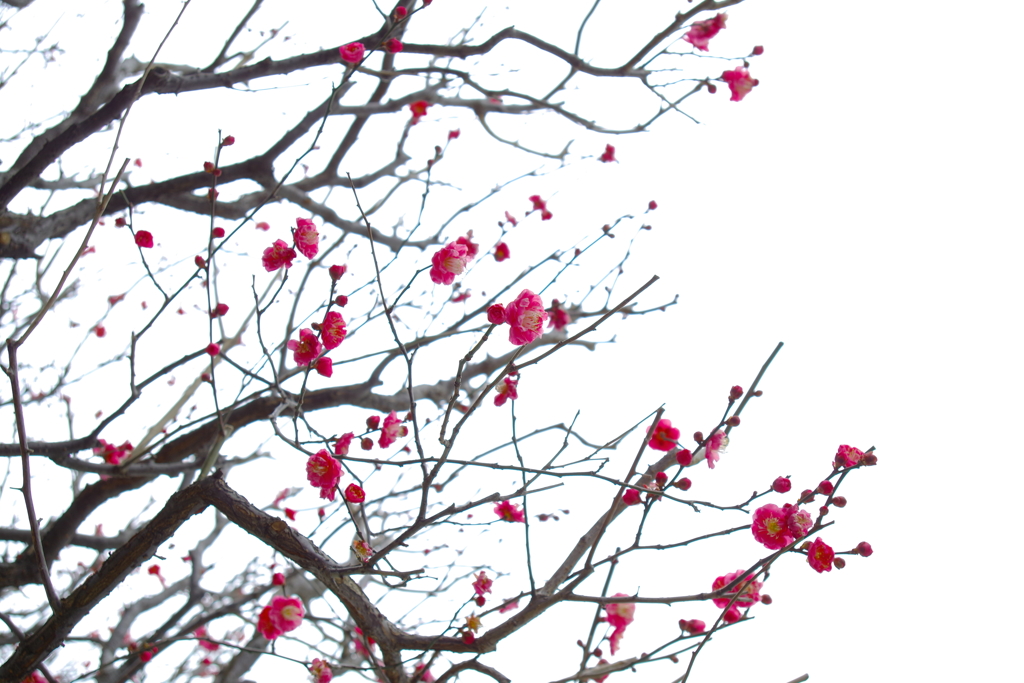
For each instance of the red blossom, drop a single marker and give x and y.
(307, 239)
(693, 626)
(336, 272)
(757, 51)
(392, 430)
(393, 45)
(501, 252)
(748, 590)
(290, 514)
(559, 317)
(354, 493)
(454, 134)
(99, 331)
(770, 527)
(449, 261)
(324, 367)
(352, 53)
(619, 616)
(482, 584)
(218, 233)
(221, 309)
(333, 330)
(144, 239)
(373, 422)
(652, 205)
(366, 443)
(278, 255)
(825, 488)
(509, 511)
(608, 155)
(323, 472)
(740, 83)
(526, 317)
(110, 453)
(782, 485)
(321, 671)
(506, 391)
(663, 436)
(631, 497)
(341, 300)
(496, 314)
(306, 349)
(538, 203)
(263, 225)
(343, 443)
(684, 457)
(228, 141)
(472, 248)
(848, 456)
(280, 616)
(511, 219)
(400, 13)
(703, 31)
(200, 262)
(419, 110)
(277, 579)
(715, 443)
(462, 296)
(820, 556)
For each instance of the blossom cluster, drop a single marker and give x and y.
(305, 238)
(744, 594)
(525, 317)
(776, 527)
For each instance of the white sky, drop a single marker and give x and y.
(863, 206)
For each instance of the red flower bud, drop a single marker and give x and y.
(228, 141)
(683, 484)
(213, 349)
(735, 393)
(200, 262)
(766, 599)
(782, 485)
(366, 444)
(733, 421)
(400, 13)
(496, 314)
(839, 501)
(354, 493)
(341, 300)
(825, 488)
(684, 457)
(863, 549)
(278, 579)
(839, 562)
(373, 422)
(661, 478)
(652, 205)
(336, 272)
(757, 51)
(218, 232)
(698, 437)
(631, 497)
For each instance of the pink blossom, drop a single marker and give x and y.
(306, 349)
(511, 219)
(631, 497)
(508, 607)
(749, 590)
(144, 239)
(352, 53)
(307, 239)
(703, 31)
(207, 645)
(798, 521)
(454, 134)
(663, 436)
(323, 472)
(354, 493)
(496, 314)
(526, 317)
(509, 511)
(820, 556)
(333, 330)
(110, 453)
(501, 252)
(770, 527)
(715, 443)
(507, 390)
(341, 446)
(448, 262)
(740, 83)
(538, 203)
(482, 584)
(848, 456)
(321, 671)
(608, 155)
(825, 488)
(280, 616)
(324, 367)
(392, 430)
(619, 616)
(426, 676)
(277, 255)
(263, 225)
(472, 248)
(363, 550)
(419, 110)
(559, 316)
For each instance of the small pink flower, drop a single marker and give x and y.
(538, 203)
(511, 219)
(526, 317)
(280, 616)
(482, 584)
(343, 443)
(448, 262)
(333, 330)
(324, 472)
(363, 551)
(352, 53)
(663, 436)
(820, 556)
(290, 513)
(782, 485)
(496, 314)
(392, 430)
(501, 252)
(509, 511)
(110, 453)
(278, 255)
(393, 45)
(693, 626)
(848, 456)
(715, 443)
(608, 155)
(354, 493)
(324, 367)
(508, 607)
(506, 391)
(263, 225)
(472, 248)
(798, 521)
(144, 239)
(321, 671)
(703, 31)
(740, 83)
(306, 349)
(419, 110)
(749, 590)
(307, 239)
(619, 616)
(770, 527)
(559, 316)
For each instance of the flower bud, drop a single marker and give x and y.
(758, 393)
(336, 272)
(631, 497)
(869, 459)
(496, 314)
(839, 501)
(766, 599)
(683, 484)
(825, 488)
(823, 510)
(661, 478)
(733, 421)
(200, 262)
(652, 205)
(213, 349)
(782, 485)
(341, 300)
(698, 437)
(806, 496)
(757, 51)
(373, 422)
(228, 141)
(863, 549)
(278, 579)
(366, 444)
(839, 562)
(218, 232)
(735, 393)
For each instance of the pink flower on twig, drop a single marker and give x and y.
(352, 53)
(323, 472)
(820, 556)
(333, 330)
(506, 391)
(663, 436)
(526, 317)
(280, 616)
(740, 83)
(509, 511)
(306, 349)
(307, 239)
(392, 430)
(449, 261)
(703, 31)
(278, 255)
